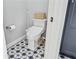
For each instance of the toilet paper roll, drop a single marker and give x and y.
(12, 27)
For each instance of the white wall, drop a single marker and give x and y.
(15, 12)
(19, 13)
(37, 6)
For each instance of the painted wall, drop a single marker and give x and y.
(19, 13)
(37, 6)
(15, 12)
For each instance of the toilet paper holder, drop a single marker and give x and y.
(10, 27)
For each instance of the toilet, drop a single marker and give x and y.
(34, 32)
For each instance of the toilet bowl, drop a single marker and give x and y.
(33, 34)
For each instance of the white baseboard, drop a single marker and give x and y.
(14, 42)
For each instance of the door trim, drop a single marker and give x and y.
(57, 10)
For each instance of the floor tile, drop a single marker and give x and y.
(21, 51)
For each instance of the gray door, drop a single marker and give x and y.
(68, 46)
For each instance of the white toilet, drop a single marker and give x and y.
(34, 33)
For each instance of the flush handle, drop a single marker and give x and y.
(51, 19)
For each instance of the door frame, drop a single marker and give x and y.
(57, 10)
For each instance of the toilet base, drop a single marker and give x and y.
(33, 42)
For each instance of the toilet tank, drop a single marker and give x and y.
(39, 22)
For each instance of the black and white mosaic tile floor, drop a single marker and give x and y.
(21, 51)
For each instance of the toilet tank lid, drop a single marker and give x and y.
(40, 19)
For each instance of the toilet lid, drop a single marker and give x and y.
(34, 31)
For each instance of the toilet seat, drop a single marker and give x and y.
(33, 32)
